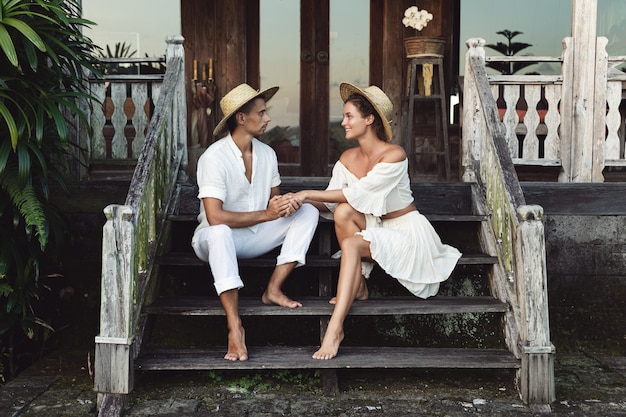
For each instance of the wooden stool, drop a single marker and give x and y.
(430, 90)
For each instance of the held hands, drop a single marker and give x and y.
(283, 205)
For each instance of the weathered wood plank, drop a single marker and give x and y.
(319, 306)
(577, 198)
(348, 358)
(190, 260)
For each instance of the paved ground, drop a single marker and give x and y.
(587, 384)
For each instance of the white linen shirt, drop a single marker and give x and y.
(221, 174)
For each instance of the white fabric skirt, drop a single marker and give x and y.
(409, 249)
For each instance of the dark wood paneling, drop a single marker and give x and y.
(577, 198)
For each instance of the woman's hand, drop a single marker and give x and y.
(283, 206)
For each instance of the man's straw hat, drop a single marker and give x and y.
(236, 99)
(377, 98)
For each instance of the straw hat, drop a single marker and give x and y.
(377, 98)
(236, 99)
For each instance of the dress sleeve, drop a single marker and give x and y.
(339, 180)
(369, 194)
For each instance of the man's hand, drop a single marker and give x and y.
(282, 206)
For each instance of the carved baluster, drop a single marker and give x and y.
(552, 120)
(613, 121)
(140, 118)
(119, 146)
(511, 118)
(97, 121)
(532, 94)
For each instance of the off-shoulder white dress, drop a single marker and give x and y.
(407, 247)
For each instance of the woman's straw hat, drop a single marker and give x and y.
(236, 99)
(377, 98)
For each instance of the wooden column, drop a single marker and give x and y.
(537, 371)
(114, 356)
(584, 84)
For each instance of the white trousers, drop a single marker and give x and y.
(221, 245)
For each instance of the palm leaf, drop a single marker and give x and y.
(25, 199)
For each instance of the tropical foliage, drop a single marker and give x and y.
(43, 56)
(510, 48)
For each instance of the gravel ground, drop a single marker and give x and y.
(587, 384)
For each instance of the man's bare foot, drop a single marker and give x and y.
(330, 345)
(279, 298)
(361, 295)
(237, 349)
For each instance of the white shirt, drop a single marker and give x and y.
(222, 174)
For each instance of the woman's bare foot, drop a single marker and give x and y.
(279, 298)
(330, 345)
(237, 349)
(361, 295)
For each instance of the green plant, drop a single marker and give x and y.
(509, 48)
(43, 55)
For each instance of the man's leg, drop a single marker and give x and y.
(294, 233)
(273, 293)
(236, 334)
(215, 244)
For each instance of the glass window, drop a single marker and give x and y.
(543, 24)
(612, 24)
(139, 25)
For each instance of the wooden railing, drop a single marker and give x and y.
(513, 232)
(119, 119)
(133, 230)
(538, 118)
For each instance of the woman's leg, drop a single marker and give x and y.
(348, 221)
(353, 249)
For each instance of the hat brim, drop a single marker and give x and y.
(347, 89)
(266, 95)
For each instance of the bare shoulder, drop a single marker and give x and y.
(348, 156)
(394, 153)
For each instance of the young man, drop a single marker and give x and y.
(242, 213)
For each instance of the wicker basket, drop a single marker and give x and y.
(424, 46)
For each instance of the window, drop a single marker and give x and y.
(139, 25)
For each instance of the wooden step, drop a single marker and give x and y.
(190, 259)
(273, 357)
(431, 217)
(319, 306)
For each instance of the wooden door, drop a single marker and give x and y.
(296, 37)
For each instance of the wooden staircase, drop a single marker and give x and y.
(184, 326)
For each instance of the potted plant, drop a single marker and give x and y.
(421, 46)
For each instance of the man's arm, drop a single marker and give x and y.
(277, 207)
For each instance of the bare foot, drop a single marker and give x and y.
(330, 345)
(279, 298)
(237, 345)
(361, 295)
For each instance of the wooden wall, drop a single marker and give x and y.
(227, 31)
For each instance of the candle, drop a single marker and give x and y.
(204, 72)
(195, 69)
(210, 68)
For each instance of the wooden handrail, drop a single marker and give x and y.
(132, 231)
(514, 232)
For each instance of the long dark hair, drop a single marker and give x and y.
(365, 108)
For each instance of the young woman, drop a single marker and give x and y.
(375, 218)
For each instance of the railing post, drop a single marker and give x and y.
(473, 118)
(179, 111)
(114, 353)
(537, 371)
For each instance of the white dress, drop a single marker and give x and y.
(407, 247)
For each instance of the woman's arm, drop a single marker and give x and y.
(320, 196)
